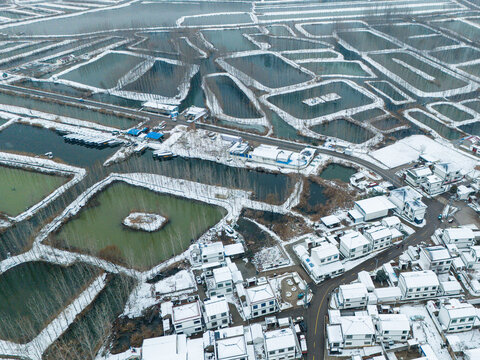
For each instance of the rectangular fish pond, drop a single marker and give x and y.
(437, 126)
(98, 228)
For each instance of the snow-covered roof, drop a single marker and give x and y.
(353, 240)
(459, 233)
(417, 204)
(391, 221)
(234, 249)
(436, 253)
(378, 232)
(396, 233)
(326, 269)
(330, 220)
(231, 347)
(222, 274)
(212, 248)
(186, 312)
(353, 291)
(472, 354)
(172, 347)
(394, 322)
(434, 179)
(458, 263)
(279, 339)
(420, 171)
(195, 349)
(374, 204)
(449, 167)
(420, 278)
(334, 333)
(325, 250)
(357, 325)
(457, 309)
(364, 278)
(159, 106)
(387, 293)
(215, 306)
(355, 214)
(462, 189)
(406, 193)
(260, 293)
(451, 286)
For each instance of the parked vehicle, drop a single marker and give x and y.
(303, 344)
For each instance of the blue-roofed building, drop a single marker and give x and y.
(154, 135)
(134, 132)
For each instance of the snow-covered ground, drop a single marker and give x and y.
(144, 221)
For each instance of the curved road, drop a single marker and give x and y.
(318, 309)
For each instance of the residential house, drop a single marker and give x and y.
(435, 258)
(230, 344)
(354, 245)
(449, 172)
(380, 237)
(418, 284)
(456, 316)
(282, 344)
(352, 296)
(357, 331)
(187, 318)
(408, 203)
(417, 176)
(463, 237)
(389, 294)
(261, 300)
(216, 313)
(212, 253)
(393, 327)
(220, 282)
(165, 347)
(471, 258)
(434, 185)
(323, 263)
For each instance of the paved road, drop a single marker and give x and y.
(317, 311)
(315, 314)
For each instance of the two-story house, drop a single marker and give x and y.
(462, 237)
(449, 172)
(261, 300)
(456, 316)
(352, 296)
(216, 313)
(418, 284)
(435, 258)
(282, 344)
(380, 237)
(358, 331)
(393, 327)
(408, 203)
(220, 282)
(212, 253)
(354, 245)
(417, 176)
(187, 318)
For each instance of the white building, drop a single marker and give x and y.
(392, 222)
(471, 259)
(221, 282)
(393, 327)
(282, 344)
(388, 294)
(434, 185)
(448, 172)
(450, 287)
(171, 347)
(418, 284)
(358, 331)
(417, 176)
(318, 270)
(435, 258)
(365, 278)
(354, 245)
(212, 253)
(230, 344)
(217, 313)
(325, 253)
(187, 318)
(272, 155)
(456, 316)
(408, 203)
(374, 207)
(380, 237)
(463, 237)
(352, 296)
(261, 300)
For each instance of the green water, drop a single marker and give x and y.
(323, 29)
(474, 105)
(100, 73)
(387, 124)
(387, 89)
(160, 41)
(339, 68)
(442, 130)
(473, 69)
(337, 172)
(33, 293)
(100, 225)
(328, 54)
(368, 114)
(287, 43)
(431, 42)
(457, 55)
(20, 189)
(452, 112)
(366, 41)
(472, 128)
(345, 130)
(404, 31)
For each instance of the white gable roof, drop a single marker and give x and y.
(420, 278)
(353, 240)
(260, 293)
(374, 204)
(353, 291)
(216, 306)
(279, 339)
(357, 325)
(186, 312)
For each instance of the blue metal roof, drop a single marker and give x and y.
(154, 135)
(134, 132)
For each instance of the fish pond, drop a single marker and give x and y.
(340, 172)
(344, 130)
(22, 189)
(452, 112)
(437, 126)
(98, 228)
